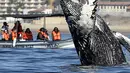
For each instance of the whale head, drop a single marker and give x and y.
(80, 15)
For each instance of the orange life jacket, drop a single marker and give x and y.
(29, 36)
(56, 36)
(14, 35)
(24, 36)
(6, 36)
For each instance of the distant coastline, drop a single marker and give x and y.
(116, 24)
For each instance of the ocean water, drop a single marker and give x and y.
(31, 60)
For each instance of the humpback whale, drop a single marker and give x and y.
(95, 43)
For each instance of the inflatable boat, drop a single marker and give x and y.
(68, 43)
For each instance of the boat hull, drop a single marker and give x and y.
(38, 44)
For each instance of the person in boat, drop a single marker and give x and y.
(18, 27)
(56, 36)
(13, 34)
(5, 27)
(46, 31)
(5, 35)
(22, 36)
(42, 34)
(29, 34)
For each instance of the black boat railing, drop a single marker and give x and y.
(30, 16)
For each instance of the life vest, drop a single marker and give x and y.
(24, 36)
(19, 30)
(56, 36)
(14, 35)
(29, 36)
(6, 36)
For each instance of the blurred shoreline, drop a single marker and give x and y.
(60, 22)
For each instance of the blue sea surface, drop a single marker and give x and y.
(31, 60)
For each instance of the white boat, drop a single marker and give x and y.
(68, 43)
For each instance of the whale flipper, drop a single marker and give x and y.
(94, 41)
(124, 41)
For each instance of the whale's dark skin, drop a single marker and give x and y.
(95, 45)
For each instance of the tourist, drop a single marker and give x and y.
(56, 36)
(22, 36)
(14, 34)
(18, 28)
(5, 27)
(42, 34)
(5, 35)
(29, 34)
